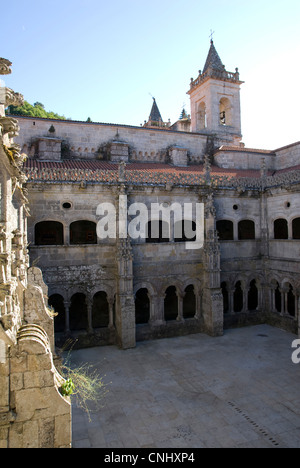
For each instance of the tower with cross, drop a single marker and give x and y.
(215, 99)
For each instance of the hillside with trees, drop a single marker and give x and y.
(35, 110)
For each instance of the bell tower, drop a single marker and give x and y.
(215, 100)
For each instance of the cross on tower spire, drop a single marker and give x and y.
(211, 35)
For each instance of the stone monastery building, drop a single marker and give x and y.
(120, 290)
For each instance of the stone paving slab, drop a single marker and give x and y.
(239, 390)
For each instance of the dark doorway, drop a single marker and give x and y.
(78, 312)
(100, 310)
(189, 302)
(171, 304)
(56, 301)
(253, 296)
(142, 306)
(238, 297)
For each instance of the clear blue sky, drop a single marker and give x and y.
(103, 59)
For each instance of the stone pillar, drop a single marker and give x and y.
(125, 304)
(111, 313)
(180, 297)
(89, 305)
(67, 316)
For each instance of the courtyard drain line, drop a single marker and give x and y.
(254, 424)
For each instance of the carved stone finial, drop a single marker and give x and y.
(5, 66)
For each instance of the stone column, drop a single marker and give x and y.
(111, 312)
(89, 304)
(180, 297)
(67, 316)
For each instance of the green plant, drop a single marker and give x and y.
(67, 388)
(84, 383)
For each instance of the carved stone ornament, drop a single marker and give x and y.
(12, 98)
(9, 126)
(5, 66)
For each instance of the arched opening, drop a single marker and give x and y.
(171, 304)
(100, 310)
(238, 301)
(296, 228)
(184, 231)
(281, 229)
(49, 233)
(78, 312)
(189, 302)
(201, 116)
(158, 231)
(291, 309)
(225, 112)
(225, 229)
(246, 230)
(83, 232)
(277, 298)
(253, 296)
(225, 297)
(56, 301)
(142, 306)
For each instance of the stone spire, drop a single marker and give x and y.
(155, 114)
(213, 60)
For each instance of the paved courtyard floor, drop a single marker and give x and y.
(238, 390)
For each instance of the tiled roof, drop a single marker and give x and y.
(244, 150)
(136, 173)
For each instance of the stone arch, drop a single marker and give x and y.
(225, 111)
(201, 116)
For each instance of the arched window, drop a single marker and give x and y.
(56, 301)
(225, 297)
(83, 232)
(184, 231)
(171, 303)
(100, 310)
(78, 312)
(296, 228)
(238, 301)
(246, 230)
(158, 231)
(253, 296)
(281, 229)
(142, 306)
(225, 112)
(189, 302)
(201, 116)
(49, 233)
(225, 229)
